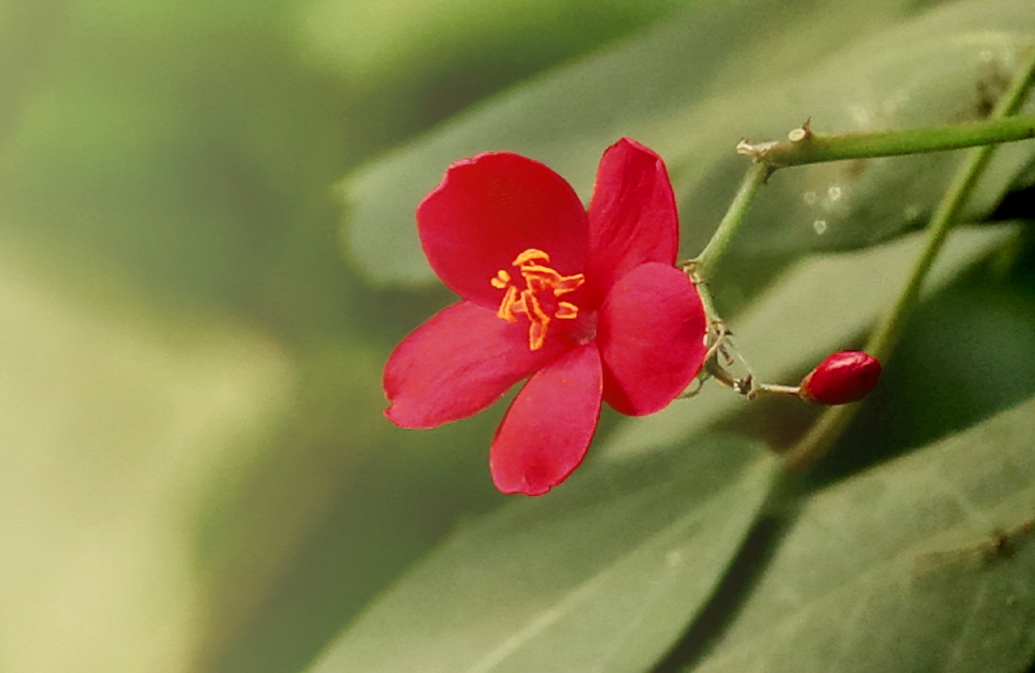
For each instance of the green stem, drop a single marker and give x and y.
(821, 436)
(806, 147)
(704, 266)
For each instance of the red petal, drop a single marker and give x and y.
(651, 335)
(547, 429)
(456, 364)
(632, 217)
(491, 208)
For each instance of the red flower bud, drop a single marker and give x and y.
(847, 376)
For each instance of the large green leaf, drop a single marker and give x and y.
(372, 42)
(716, 73)
(816, 307)
(600, 575)
(896, 569)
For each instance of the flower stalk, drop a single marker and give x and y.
(703, 267)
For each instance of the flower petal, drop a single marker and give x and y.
(547, 429)
(632, 216)
(456, 364)
(651, 336)
(491, 208)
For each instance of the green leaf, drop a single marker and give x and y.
(373, 41)
(816, 307)
(897, 569)
(602, 574)
(692, 87)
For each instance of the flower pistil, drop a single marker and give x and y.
(543, 285)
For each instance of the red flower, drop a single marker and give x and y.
(589, 304)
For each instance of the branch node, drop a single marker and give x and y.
(757, 152)
(803, 132)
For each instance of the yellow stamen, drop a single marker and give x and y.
(529, 255)
(566, 311)
(507, 306)
(540, 321)
(538, 278)
(536, 336)
(501, 280)
(534, 308)
(568, 284)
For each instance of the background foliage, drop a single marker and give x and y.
(195, 472)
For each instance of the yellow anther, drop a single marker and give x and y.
(537, 316)
(529, 255)
(534, 308)
(566, 311)
(567, 284)
(536, 336)
(539, 278)
(501, 280)
(507, 307)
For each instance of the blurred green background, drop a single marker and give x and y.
(194, 471)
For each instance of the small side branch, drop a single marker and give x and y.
(804, 146)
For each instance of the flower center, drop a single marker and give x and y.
(538, 299)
